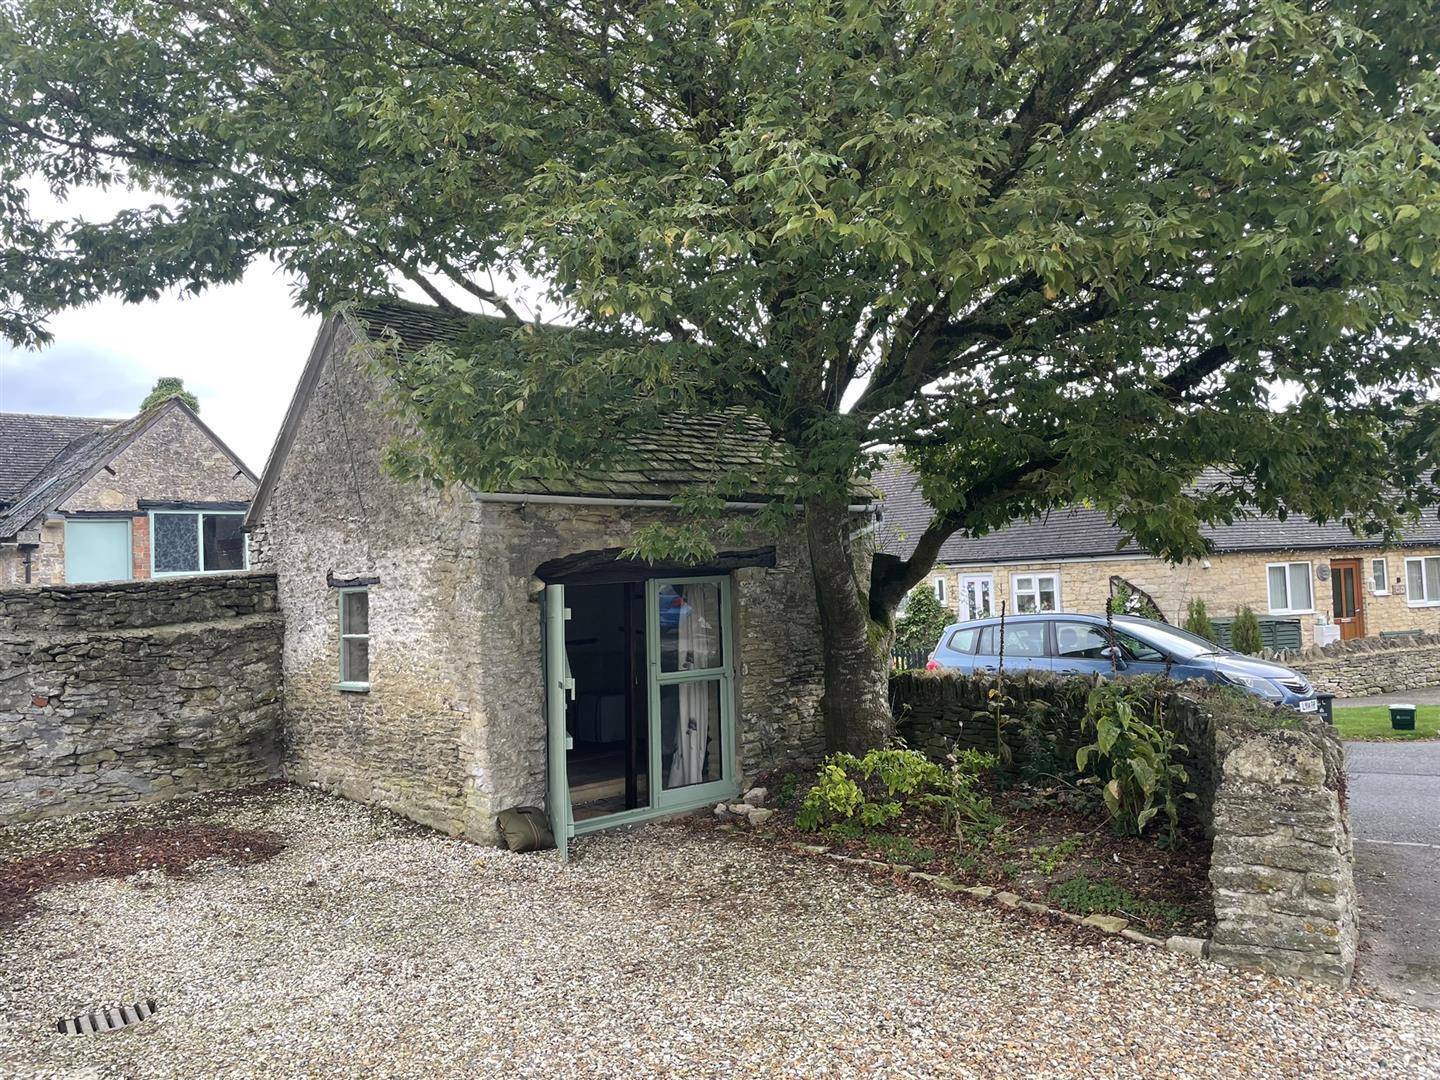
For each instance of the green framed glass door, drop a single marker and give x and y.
(692, 723)
(558, 685)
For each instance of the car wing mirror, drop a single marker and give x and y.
(1116, 656)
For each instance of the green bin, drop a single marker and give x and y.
(1402, 717)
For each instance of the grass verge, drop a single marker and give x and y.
(1372, 724)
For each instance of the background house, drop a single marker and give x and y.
(451, 653)
(1295, 574)
(85, 499)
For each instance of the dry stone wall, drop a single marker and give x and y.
(136, 691)
(1370, 665)
(1270, 793)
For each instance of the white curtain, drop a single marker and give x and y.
(699, 647)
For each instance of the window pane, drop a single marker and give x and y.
(1300, 597)
(1415, 578)
(1379, 575)
(175, 543)
(963, 640)
(690, 627)
(1025, 639)
(940, 589)
(1278, 595)
(987, 641)
(357, 613)
(1048, 589)
(1079, 641)
(223, 542)
(1432, 579)
(355, 657)
(690, 751)
(1139, 650)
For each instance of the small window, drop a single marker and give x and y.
(939, 584)
(1379, 577)
(1139, 651)
(963, 641)
(1034, 593)
(196, 542)
(355, 639)
(1290, 588)
(1422, 581)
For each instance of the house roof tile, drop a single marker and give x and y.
(1081, 532)
(691, 450)
(29, 442)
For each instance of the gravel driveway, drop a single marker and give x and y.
(369, 948)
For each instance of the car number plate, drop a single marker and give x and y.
(1309, 706)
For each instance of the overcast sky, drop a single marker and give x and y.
(239, 348)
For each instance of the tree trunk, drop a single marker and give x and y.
(856, 702)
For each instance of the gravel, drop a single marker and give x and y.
(369, 947)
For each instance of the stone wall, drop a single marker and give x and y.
(138, 691)
(1270, 793)
(1369, 665)
(1225, 582)
(452, 727)
(1282, 865)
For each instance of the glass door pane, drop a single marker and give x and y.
(690, 733)
(691, 722)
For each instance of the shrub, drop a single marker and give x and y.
(1134, 758)
(848, 786)
(1197, 620)
(922, 622)
(1245, 632)
(1126, 600)
(874, 788)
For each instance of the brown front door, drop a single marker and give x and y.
(1348, 598)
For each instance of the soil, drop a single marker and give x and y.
(123, 852)
(1055, 847)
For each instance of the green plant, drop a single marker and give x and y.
(903, 849)
(1197, 620)
(1084, 896)
(1125, 599)
(958, 795)
(870, 787)
(1134, 757)
(920, 625)
(1245, 632)
(785, 793)
(1051, 858)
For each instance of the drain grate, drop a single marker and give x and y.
(92, 1023)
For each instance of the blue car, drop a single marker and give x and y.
(1082, 645)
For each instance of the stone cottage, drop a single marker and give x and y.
(85, 499)
(1308, 583)
(450, 653)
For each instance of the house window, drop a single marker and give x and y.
(939, 584)
(196, 542)
(1422, 581)
(1290, 592)
(1379, 576)
(1035, 592)
(354, 639)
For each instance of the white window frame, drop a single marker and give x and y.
(1382, 587)
(1309, 580)
(1036, 577)
(1424, 601)
(199, 515)
(938, 584)
(354, 685)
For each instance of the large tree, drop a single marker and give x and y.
(1049, 250)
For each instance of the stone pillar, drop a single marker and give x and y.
(1281, 871)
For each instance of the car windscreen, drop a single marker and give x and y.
(1181, 644)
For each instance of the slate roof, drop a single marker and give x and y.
(1080, 532)
(29, 442)
(690, 450)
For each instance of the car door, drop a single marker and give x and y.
(1142, 658)
(1025, 647)
(1080, 648)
